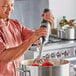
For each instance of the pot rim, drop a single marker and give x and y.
(24, 63)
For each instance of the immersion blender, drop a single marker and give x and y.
(45, 24)
(43, 39)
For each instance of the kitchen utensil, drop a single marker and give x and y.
(37, 59)
(68, 33)
(43, 39)
(45, 24)
(60, 68)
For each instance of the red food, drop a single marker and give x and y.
(35, 65)
(47, 64)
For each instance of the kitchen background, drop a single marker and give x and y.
(63, 8)
(28, 12)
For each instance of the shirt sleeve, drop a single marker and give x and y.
(26, 33)
(2, 45)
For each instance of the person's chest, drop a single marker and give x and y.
(11, 35)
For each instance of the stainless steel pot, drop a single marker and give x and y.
(60, 68)
(68, 33)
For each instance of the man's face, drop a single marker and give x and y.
(6, 8)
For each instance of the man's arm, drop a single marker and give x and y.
(13, 53)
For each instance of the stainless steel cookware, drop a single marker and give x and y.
(68, 33)
(60, 68)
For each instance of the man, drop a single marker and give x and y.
(15, 39)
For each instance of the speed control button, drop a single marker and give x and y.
(58, 54)
(65, 53)
(52, 55)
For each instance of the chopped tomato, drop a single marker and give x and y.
(47, 64)
(35, 65)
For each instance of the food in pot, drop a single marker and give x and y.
(35, 65)
(44, 64)
(47, 64)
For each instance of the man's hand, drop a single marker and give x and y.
(38, 33)
(49, 17)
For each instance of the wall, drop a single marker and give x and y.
(28, 12)
(63, 8)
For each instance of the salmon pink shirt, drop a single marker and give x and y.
(12, 35)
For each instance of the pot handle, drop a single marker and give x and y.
(73, 66)
(21, 70)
